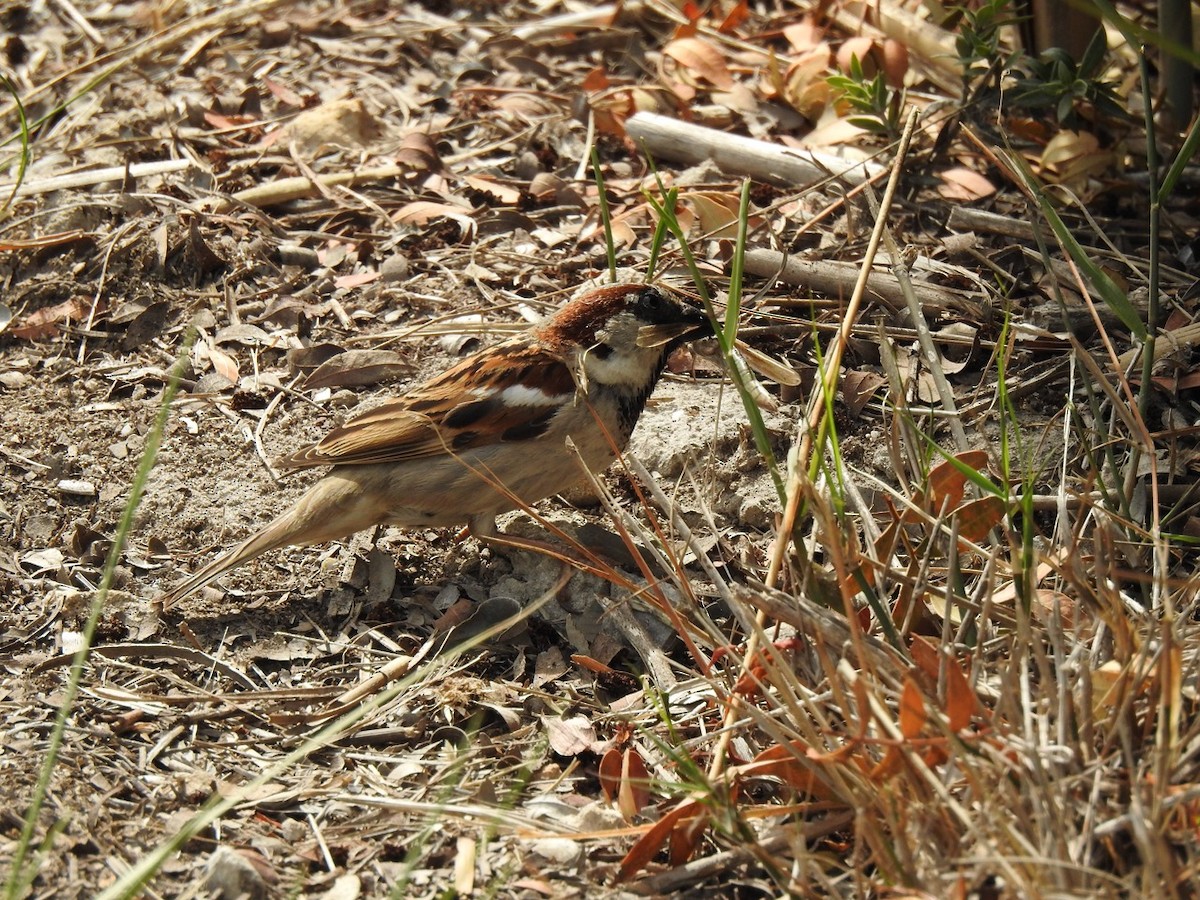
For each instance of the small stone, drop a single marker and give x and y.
(563, 851)
(295, 255)
(394, 268)
(275, 33)
(231, 874)
(77, 487)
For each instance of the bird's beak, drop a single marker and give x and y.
(658, 335)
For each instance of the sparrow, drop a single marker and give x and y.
(500, 430)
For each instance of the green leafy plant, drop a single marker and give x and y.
(1054, 81)
(877, 105)
(978, 42)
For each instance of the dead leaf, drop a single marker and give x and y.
(688, 814)
(504, 193)
(804, 85)
(223, 364)
(356, 368)
(625, 780)
(701, 58)
(1071, 157)
(283, 94)
(717, 213)
(804, 35)
(356, 279)
(419, 152)
(978, 517)
(342, 123)
(422, 212)
(858, 387)
(569, 737)
(944, 492)
(961, 183)
(961, 702)
(865, 50)
(912, 709)
(46, 322)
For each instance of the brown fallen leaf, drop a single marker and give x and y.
(357, 368)
(44, 323)
(702, 58)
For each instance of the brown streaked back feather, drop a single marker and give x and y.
(463, 408)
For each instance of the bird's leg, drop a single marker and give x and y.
(484, 530)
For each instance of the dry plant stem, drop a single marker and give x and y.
(154, 651)
(832, 362)
(69, 10)
(838, 278)
(967, 218)
(89, 177)
(287, 189)
(677, 621)
(924, 338)
(135, 877)
(91, 316)
(1144, 443)
(646, 480)
(815, 425)
(968, 823)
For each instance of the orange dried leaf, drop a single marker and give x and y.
(783, 762)
(223, 364)
(926, 656)
(45, 322)
(355, 279)
(505, 193)
(912, 709)
(701, 58)
(693, 14)
(592, 665)
(421, 212)
(804, 35)
(735, 17)
(283, 94)
(609, 773)
(978, 517)
(947, 483)
(858, 387)
(716, 213)
(596, 80)
(961, 183)
(961, 702)
(648, 845)
(634, 792)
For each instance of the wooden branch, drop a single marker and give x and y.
(682, 142)
(836, 279)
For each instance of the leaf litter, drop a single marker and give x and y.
(292, 178)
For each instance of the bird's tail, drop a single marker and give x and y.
(332, 508)
(278, 533)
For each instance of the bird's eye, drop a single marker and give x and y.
(653, 306)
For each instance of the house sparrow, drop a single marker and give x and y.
(489, 434)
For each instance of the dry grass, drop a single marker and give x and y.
(955, 657)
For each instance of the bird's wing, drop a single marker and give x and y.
(510, 393)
